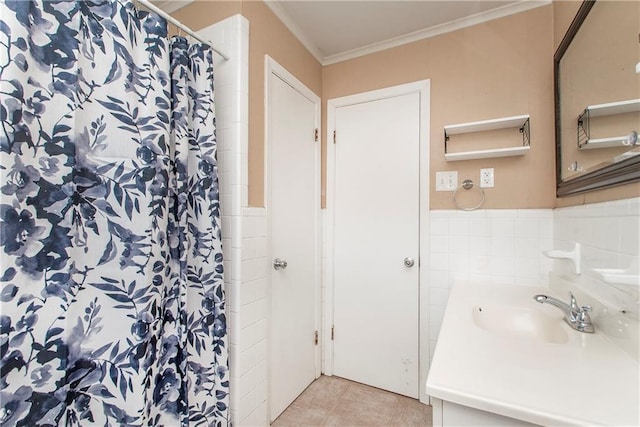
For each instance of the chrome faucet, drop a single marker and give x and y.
(576, 316)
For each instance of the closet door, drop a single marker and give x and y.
(376, 242)
(293, 207)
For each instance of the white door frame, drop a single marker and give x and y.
(423, 88)
(273, 68)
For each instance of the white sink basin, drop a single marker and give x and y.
(520, 322)
(519, 359)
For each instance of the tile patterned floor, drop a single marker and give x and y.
(333, 401)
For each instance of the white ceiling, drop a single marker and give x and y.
(336, 30)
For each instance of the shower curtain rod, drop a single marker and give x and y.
(180, 25)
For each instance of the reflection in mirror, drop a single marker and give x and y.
(598, 98)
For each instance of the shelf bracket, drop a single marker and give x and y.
(525, 131)
(583, 128)
(446, 140)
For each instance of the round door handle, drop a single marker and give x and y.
(279, 264)
(408, 262)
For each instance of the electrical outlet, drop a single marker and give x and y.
(446, 181)
(486, 177)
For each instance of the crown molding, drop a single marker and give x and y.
(297, 32)
(170, 6)
(446, 27)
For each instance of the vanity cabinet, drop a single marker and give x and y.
(447, 414)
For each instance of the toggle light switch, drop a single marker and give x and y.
(446, 180)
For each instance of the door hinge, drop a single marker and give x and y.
(334, 136)
(332, 332)
(316, 135)
(315, 337)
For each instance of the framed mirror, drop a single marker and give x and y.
(597, 98)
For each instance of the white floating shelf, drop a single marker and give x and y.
(611, 108)
(614, 141)
(520, 122)
(484, 125)
(485, 154)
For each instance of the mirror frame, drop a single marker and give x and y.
(610, 175)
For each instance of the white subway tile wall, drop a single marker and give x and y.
(609, 235)
(252, 320)
(608, 232)
(502, 246)
(243, 228)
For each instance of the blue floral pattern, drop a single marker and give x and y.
(111, 266)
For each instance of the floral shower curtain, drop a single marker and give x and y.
(112, 301)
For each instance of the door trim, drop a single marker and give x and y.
(275, 69)
(421, 87)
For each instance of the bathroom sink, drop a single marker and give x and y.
(500, 351)
(520, 322)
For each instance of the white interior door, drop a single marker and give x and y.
(376, 242)
(293, 209)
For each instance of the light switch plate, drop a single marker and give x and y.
(446, 180)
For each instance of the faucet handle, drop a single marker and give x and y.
(573, 303)
(583, 314)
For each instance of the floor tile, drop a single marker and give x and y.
(410, 412)
(334, 401)
(301, 415)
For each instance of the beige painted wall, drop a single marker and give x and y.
(267, 35)
(499, 68)
(202, 13)
(496, 69)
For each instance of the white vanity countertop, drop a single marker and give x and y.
(584, 381)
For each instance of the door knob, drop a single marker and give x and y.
(408, 262)
(279, 264)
